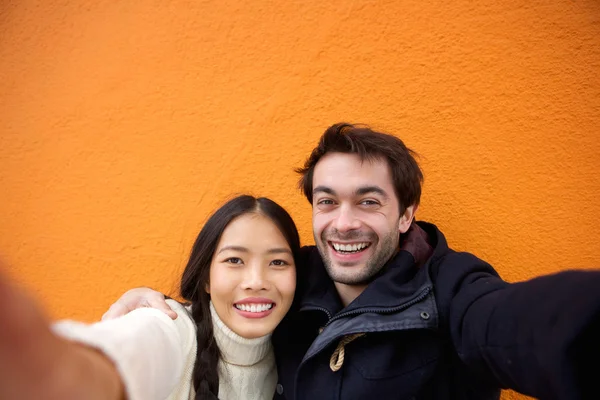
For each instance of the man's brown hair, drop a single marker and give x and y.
(369, 145)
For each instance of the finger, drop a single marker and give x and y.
(161, 304)
(116, 310)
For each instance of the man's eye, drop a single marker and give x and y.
(325, 202)
(279, 263)
(369, 202)
(234, 260)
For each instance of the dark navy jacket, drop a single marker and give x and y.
(444, 327)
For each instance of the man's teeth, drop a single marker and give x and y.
(254, 307)
(350, 248)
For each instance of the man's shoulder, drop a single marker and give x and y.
(443, 254)
(309, 266)
(306, 251)
(310, 258)
(454, 263)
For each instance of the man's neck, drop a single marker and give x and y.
(348, 293)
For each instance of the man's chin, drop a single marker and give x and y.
(346, 274)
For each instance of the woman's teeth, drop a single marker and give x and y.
(254, 307)
(350, 248)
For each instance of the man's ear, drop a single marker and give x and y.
(407, 218)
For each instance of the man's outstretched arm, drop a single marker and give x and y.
(535, 337)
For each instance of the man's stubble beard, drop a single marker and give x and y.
(374, 264)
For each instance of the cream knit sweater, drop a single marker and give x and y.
(155, 355)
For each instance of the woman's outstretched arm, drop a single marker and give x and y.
(37, 364)
(144, 355)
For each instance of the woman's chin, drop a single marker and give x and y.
(253, 332)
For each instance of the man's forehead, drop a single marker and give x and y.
(332, 166)
(347, 173)
(352, 158)
(368, 189)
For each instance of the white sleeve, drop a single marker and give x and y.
(149, 349)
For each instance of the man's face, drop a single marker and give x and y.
(356, 216)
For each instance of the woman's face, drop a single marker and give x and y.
(252, 276)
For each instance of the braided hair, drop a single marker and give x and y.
(195, 280)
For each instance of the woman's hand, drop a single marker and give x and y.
(36, 364)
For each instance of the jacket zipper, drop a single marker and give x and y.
(317, 308)
(417, 299)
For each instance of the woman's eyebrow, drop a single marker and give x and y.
(234, 248)
(279, 250)
(276, 250)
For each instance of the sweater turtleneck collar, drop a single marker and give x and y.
(235, 349)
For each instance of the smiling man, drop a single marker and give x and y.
(357, 219)
(385, 310)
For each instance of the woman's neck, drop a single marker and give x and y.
(236, 349)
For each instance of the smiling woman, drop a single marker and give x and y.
(239, 283)
(252, 276)
(239, 256)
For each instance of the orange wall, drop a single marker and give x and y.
(123, 124)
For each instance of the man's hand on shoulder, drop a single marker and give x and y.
(138, 298)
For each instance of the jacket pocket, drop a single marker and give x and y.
(391, 365)
(390, 354)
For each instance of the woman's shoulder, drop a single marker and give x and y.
(178, 307)
(184, 315)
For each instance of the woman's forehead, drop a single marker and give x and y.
(254, 232)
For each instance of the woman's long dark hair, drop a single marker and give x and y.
(196, 275)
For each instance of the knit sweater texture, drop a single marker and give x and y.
(155, 355)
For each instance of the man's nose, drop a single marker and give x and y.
(346, 219)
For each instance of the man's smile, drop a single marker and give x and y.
(349, 248)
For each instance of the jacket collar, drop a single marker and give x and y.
(399, 280)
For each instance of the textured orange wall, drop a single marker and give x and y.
(123, 124)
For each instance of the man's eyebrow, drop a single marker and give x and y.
(371, 189)
(324, 189)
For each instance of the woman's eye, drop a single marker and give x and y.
(234, 260)
(279, 263)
